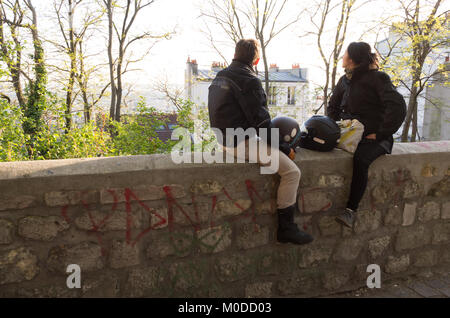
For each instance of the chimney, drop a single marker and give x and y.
(273, 68)
(191, 72)
(194, 66)
(217, 66)
(296, 70)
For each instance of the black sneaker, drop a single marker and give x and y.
(347, 218)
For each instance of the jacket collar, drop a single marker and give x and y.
(353, 74)
(241, 65)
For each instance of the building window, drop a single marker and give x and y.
(272, 95)
(291, 95)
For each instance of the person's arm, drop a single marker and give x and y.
(254, 104)
(255, 109)
(334, 104)
(394, 104)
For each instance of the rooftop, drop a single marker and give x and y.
(281, 75)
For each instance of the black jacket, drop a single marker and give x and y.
(371, 98)
(236, 99)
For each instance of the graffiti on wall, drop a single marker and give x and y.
(172, 205)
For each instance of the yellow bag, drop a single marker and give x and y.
(351, 134)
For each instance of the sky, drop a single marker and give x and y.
(167, 59)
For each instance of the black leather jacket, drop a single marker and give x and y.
(371, 98)
(237, 99)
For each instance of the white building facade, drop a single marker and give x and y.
(436, 121)
(397, 47)
(288, 88)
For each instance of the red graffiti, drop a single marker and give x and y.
(172, 204)
(302, 198)
(213, 207)
(64, 214)
(400, 179)
(423, 145)
(129, 194)
(326, 207)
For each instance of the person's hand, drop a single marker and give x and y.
(292, 154)
(372, 136)
(287, 150)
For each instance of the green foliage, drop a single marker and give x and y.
(196, 120)
(80, 142)
(137, 134)
(185, 118)
(36, 95)
(421, 39)
(411, 63)
(12, 138)
(50, 141)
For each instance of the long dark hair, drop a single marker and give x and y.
(361, 54)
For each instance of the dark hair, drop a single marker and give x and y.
(361, 55)
(247, 51)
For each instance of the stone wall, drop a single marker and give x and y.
(143, 226)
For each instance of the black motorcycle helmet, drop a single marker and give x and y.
(289, 130)
(320, 133)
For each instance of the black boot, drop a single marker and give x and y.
(288, 231)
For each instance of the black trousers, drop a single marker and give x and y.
(366, 153)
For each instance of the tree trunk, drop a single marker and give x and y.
(14, 67)
(72, 74)
(119, 84)
(36, 101)
(333, 77)
(266, 67)
(414, 123)
(69, 95)
(82, 82)
(409, 113)
(15, 76)
(86, 107)
(325, 90)
(110, 60)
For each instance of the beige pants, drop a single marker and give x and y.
(287, 169)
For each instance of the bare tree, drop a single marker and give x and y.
(72, 45)
(264, 20)
(321, 15)
(171, 92)
(120, 30)
(12, 52)
(84, 78)
(223, 13)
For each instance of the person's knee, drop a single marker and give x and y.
(294, 174)
(297, 174)
(360, 160)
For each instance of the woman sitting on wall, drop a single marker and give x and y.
(368, 95)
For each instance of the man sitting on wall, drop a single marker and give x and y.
(237, 100)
